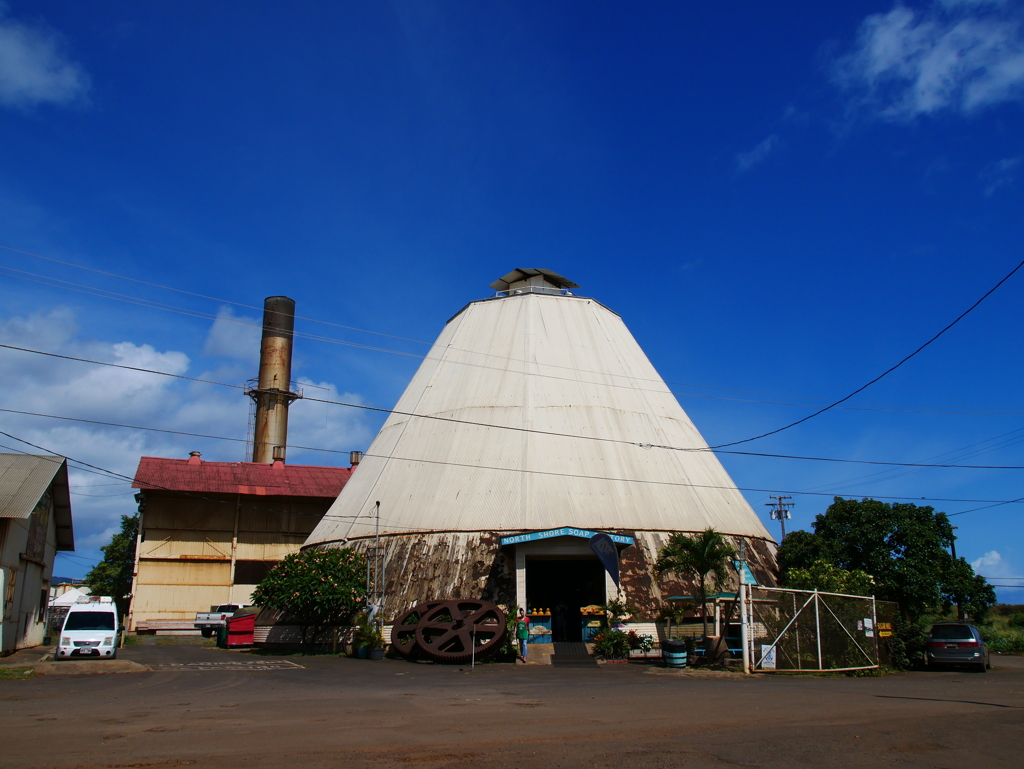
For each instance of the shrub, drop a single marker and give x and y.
(317, 588)
(611, 644)
(1006, 644)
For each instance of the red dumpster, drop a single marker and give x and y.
(240, 630)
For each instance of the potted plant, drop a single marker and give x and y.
(362, 636)
(643, 642)
(374, 641)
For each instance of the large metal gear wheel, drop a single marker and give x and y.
(449, 631)
(403, 632)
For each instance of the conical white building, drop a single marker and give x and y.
(535, 421)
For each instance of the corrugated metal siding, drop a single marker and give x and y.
(556, 364)
(196, 573)
(178, 601)
(185, 544)
(23, 480)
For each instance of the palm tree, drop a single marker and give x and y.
(700, 556)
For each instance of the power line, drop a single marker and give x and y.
(53, 456)
(889, 370)
(670, 483)
(102, 496)
(107, 294)
(486, 425)
(960, 453)
(986, 507)
(503, 469)
(76, 557)
(201, 296)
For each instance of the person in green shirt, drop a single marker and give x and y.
(522, 632)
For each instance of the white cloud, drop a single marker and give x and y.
(747, 160)
(992, 565)
(999, 174)
(234, 336)
(960, 57)
(324, 426)
(33, 67)
(46, 385)
(996, 568)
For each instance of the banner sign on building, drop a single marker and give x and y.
(605, 549)
(565, 531)
(745, 572)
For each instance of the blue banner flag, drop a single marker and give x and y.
(605, 549)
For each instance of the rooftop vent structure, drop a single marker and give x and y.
(532, 281)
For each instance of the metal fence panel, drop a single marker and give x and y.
(790, 630)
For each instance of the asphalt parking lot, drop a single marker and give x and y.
(201, 706)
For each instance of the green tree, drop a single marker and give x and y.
(317, 588)
(113, 575)
(823, 575)
(903, 546)
(799, 550)
(969, 592)
(703, 557)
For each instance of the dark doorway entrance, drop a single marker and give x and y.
(563, 587)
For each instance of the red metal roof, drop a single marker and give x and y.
(240, 477)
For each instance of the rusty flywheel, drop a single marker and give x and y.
(448, 631)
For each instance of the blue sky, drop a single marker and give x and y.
(782, 200)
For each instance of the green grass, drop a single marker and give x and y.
(16, 674)
(1004, 629)
(184, 640)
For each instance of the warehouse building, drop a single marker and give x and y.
(535, 421)
(35, 523)
(210, 531)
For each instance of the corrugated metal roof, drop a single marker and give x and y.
(240, 478)
(24, 479)
(560, 364)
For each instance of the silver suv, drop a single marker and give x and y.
(957, 643)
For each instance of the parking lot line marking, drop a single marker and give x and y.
(169, 667)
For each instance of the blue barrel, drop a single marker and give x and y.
(673, 652)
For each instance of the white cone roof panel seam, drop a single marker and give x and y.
(484, 487)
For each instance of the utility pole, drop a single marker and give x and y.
(375, 570)
(780, 511)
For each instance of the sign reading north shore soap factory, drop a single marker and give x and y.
(565, 531)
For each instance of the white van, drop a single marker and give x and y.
(90, 629)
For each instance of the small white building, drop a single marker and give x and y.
(35, 522)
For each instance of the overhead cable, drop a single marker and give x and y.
(512, 428)
(107, 294)
(889, 370)
(521, 471)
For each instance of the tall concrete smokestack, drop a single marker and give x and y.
(272, 394)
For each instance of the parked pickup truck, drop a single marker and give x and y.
(216, 617)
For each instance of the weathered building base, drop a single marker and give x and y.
(442, 565)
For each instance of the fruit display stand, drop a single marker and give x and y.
(540, 626)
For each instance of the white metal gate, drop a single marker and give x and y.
(792, 630)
